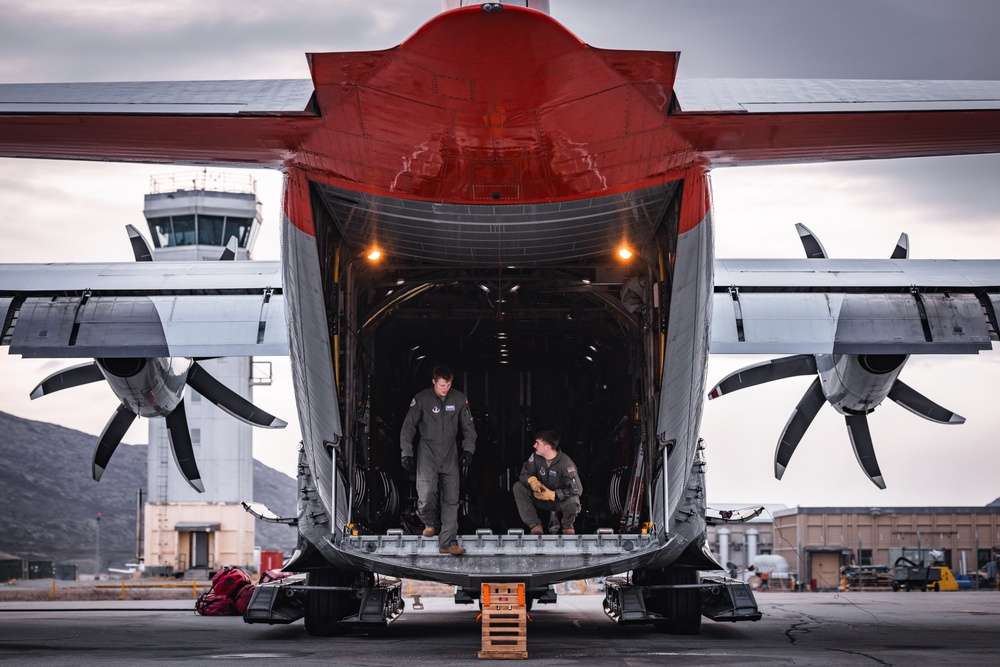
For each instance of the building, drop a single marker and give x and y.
(192, 217)
(818, 541)
(736, 545)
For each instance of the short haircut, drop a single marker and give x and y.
(550, 437)
(441, 373)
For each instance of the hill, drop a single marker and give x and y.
(49, 503)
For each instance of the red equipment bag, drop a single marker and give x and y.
(230, 594)
(243, 599)
(229, 580)
(213, 604)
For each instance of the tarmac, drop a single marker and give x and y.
(917, 628)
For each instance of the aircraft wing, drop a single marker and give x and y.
(237, 123)
(730, 121)
(860, 306)
(777, 121)
(143, 309)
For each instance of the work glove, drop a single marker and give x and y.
(466, 459)
(409, 464)
(535, 485)
(545, 494)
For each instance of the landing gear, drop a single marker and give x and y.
(325, 608)
(657, 596)
(679, 608)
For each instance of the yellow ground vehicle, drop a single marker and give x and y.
(910, 576)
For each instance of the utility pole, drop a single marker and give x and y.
(97, 549)
(139, 551)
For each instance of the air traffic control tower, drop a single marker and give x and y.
(191, 217)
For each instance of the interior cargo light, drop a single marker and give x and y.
(374, 254)
(624, 252)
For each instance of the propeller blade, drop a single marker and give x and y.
(810, 242)
(111, 436)
(67, 378)
(922, 406)
(902, 249)
(230, 252)
(864, 449)
(802, 416)
(228, 400)
(180, 443)
(767, 371)
(140, 249)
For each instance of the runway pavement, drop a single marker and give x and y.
(797, 629)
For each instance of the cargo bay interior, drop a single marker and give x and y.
(573, 345)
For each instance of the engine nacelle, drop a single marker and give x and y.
(857, 384)
(149, 387)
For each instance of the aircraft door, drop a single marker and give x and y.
(824, 570)
(199, 549)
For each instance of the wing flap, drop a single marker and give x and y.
(144, 309)
(881, 307)
(151, 326)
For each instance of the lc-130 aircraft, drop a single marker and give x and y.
(498, 165)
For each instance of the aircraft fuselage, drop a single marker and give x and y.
(498, 164)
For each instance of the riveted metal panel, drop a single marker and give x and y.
(174, 97)
(825, 323)
(872, 318)
(775, 323)
(159, 326)
(957, 319)
(5, 303)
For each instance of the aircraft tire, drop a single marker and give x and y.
(325, 608)
(680, 608)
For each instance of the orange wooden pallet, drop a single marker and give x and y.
(505, 616)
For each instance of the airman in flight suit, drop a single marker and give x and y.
(549, 480)
(437, 414)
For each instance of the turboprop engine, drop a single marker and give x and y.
(154, 387)
(854, 384)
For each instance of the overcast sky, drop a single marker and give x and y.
(63, 211)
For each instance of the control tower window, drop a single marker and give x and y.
(184, 230)
(240, 228)
(200, 229)
(210, 230)
(163, 234)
